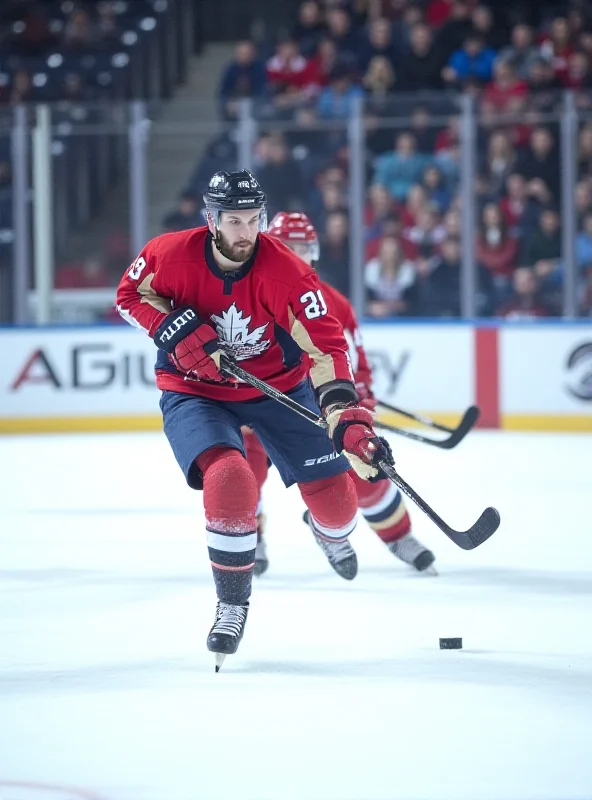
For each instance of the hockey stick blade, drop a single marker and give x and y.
(471, 415)
(486, 525)
(469, 418)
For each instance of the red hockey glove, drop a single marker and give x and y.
(367, 399)
(192, 345)
(350, 429)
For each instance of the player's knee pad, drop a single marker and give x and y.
(332, 502)
(230, 490)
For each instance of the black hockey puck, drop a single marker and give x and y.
(450, 644)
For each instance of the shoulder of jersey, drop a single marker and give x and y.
(278, 262)
(180, 244)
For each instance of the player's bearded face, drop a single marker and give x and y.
(236, 237)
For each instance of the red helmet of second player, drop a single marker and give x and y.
(297, 231)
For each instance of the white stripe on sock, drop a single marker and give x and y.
(383, 503)
(231, 544)
(335, 533)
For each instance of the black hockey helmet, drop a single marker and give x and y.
(234, 191)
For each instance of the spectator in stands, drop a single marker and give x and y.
(336, 100)
(416, 201)
(525, 301)
(583, 197)
(378, 42)
(423, 129)
(309, 29)
(577, 76)
(346, 37)
(543, 87)
(380, 206)
(455, 30)
(484, 25)
(500, 161)
(244, 77)
(288, 71)
(473, 60)
(379, 81)
(452, 224)
(496, 250)
(107, 26)
(438, 12)
(540, 160)
(322, 64)
(424, 238)
(541, 247)
(334, 243)
(436, 291)
(79, 33)
(386, 279)
(22, 89)
(522, 53)
(186, 215)
(514, 204)
(421, 69)
(506, 93)
(280, 174)
(401, 168)
(557, 47)
(439, 195)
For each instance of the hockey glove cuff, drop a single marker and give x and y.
(192, 345)
(351, 432)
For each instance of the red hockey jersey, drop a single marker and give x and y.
(272, 298)
(341, 308)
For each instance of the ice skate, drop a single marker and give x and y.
(227, 630)
(340, 555)
(412, 552)
(261, 560)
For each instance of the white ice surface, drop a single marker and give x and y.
(339, 691)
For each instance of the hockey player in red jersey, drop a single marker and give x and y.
(231, 289)
(380, 501)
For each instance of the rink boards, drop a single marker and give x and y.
(527, 376)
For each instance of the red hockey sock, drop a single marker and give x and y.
(333, 505)
(230, 497)
(383, 508)
(256, 456)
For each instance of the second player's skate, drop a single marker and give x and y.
(340, 555)
(412, 552)
(227, 630)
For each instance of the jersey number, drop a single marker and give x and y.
(136, 268)
(316, 304)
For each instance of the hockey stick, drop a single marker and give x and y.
(457, 434)
(486, 525)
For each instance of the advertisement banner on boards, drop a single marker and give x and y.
(428, 368)
(546, 372)
(85, 372)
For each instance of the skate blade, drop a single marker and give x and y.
(432, 571)
(219, 660)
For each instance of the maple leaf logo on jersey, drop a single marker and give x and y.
(233, 330)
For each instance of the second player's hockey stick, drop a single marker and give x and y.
(486, 525)
(457, 434)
